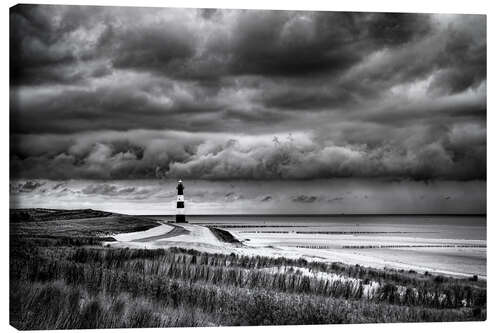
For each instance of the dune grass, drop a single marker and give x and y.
(51, 224)
(96, 287)
(224, 235)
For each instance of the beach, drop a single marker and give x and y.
(453, 246)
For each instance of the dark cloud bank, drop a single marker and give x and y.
(127, 93)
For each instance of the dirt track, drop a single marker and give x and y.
(176, 231)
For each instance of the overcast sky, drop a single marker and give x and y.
(110, 95)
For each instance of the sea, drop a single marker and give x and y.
(458, 227)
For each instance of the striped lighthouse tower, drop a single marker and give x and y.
(180, 217)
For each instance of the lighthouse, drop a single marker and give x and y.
(180, 217)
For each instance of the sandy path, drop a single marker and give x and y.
(174, 232)
(167, 235)
(131, 236)
(197, 234)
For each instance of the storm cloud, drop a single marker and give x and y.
(159, 93)
(305, 198)
(437, 152)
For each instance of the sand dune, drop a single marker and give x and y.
(170, 235)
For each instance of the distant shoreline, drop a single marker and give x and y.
(271, 215)
(322, 215)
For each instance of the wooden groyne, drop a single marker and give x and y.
(412, 246)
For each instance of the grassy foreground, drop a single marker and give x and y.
(72, 281)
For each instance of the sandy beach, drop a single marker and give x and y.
(454, 257)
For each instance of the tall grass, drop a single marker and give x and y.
(56, 305)
(60, 286)
(245, 272)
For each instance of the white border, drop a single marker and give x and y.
(430, 6)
